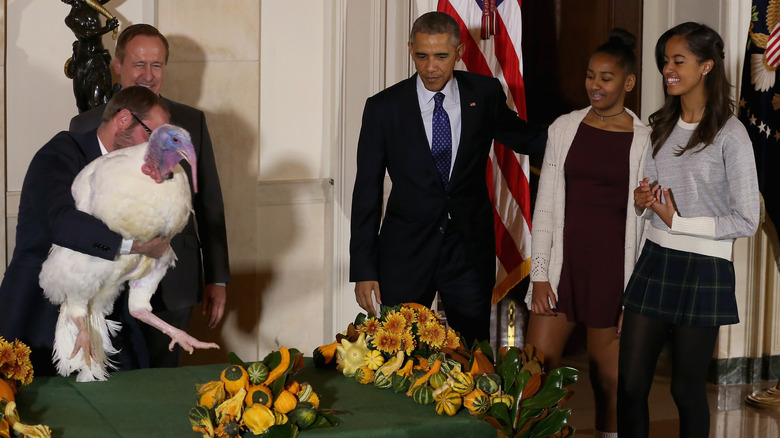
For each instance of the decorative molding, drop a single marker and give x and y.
(12, 204)
(295, 191)
(740, 370)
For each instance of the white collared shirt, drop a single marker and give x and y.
(127, 245)
(451, 104)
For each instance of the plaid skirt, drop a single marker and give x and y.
(681, 287)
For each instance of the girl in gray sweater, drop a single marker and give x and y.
(699, 192)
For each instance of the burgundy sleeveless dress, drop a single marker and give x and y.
(596, 172)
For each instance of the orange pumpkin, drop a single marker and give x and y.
(7, 391)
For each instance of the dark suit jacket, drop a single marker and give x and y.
(403, 255)
(182, 285)
(47, 214)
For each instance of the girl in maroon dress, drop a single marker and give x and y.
(584, 238)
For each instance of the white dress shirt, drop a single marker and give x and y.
(451, 105)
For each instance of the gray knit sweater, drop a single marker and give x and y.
(715, 189)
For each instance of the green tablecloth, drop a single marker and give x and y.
(155, 402)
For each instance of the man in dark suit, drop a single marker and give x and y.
(437, 232)
(201, 251)
(47, 214)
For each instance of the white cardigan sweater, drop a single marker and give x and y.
(548, 219)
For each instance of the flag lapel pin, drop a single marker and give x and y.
(473, 104)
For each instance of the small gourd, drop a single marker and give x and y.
(477, 402)
(423, 395)
(364, 375)
(349, 355)
(280, 418)
(258, 418)
(448, 402)
(210, 394)
(285, 401)
(230, 409)
(258, 373)
(200, 419)
(437, 380)
(303, 415)
(234, 377)
(307, 394)
(489, 383)
(506, 399)
(259, 394)
(400, 382)
(381, 380)
(325, 355)
(373, 360)
(463, 383)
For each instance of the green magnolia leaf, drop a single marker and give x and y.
(360, 318)
(553, 423)
(564, 376)
(526, 415)
(547, 397)
(529, 419)
(233, 359)
(325, 420)
(509, 368)
(272, 359)
(499, 411)
(498, 426)
(486, 348)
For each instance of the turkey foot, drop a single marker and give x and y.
(83, 340)
(187, 342)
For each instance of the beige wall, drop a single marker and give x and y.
(2, 130)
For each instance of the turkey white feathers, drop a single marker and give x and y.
(140, 192)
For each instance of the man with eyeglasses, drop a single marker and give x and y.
(140, 59)
(48, 214)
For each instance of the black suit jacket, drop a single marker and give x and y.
(403, 255)
(47, 214)
(201, 248)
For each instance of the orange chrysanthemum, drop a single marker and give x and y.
(387, 342)
(453, 340)
(424, 316)
(370, 326)
(433, 334)
(7, 354)
(408, 343)
(395, 322)
(21, 351)
(410, 315)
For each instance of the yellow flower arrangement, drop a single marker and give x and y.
(15, 365)
(408, 329)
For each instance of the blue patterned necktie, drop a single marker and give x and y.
(441, 142)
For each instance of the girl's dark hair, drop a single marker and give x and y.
(707, 45)
(621, 45)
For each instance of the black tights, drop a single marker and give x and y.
(641, 341)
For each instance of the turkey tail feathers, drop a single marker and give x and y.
(100, 333)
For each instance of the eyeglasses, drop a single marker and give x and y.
(143, 125)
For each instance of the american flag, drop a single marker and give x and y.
(759, 104)
(492, 31)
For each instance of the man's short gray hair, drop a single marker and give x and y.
(434, 23)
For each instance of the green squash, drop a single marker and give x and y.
(258, 373)
(437, 379)
(303, 416)
(423, 395)
(488, 383)
(463, 383)
(448, 402)
(381, 380)
(400, 383)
